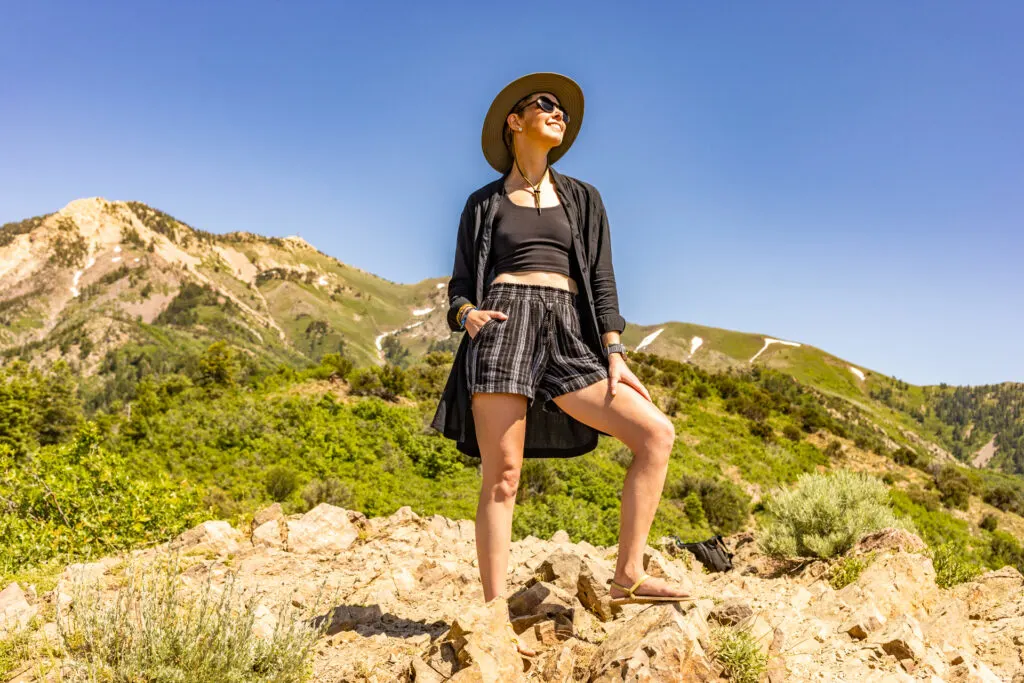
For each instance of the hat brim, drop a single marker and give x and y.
(569, 95)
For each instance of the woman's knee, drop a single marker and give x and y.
(659, 439)
(504, 483)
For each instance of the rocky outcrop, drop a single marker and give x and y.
(400, 600)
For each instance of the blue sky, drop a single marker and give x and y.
(844, 175)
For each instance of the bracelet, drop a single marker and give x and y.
(462, 309)
(462, 322)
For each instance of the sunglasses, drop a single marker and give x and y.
(547, 106)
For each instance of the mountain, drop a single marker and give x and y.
(99, 276)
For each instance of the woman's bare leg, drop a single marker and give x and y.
(501, 431)
(649, 434)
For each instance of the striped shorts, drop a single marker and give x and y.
(538, 351)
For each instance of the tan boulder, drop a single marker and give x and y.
(214, 536)
(660, 644)
(592, 590)
(324, 529)
(421, 672)
(483, 643)
(890, 539)
(730, 612)
(994, 595)
(902, 639)
(269, 534)
(898, 583)
(15, 611)
(562, 569)
(269, 513)
(863, 622)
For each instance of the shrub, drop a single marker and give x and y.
(694, 509)
(79, 500)
(762, 430)
(366, 382)
(739, 654)
(824, 515)
(1004, 550)
(954, 487)
(280, 482)
(848, 569)
(1005, 498)
(332, 491)
(726, 507)
(905, 456)
(834, 449)
(989, 522)
(153, 631)
(792, 432)
(950, 566)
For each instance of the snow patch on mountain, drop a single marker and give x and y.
(768, 341)
(648, 339)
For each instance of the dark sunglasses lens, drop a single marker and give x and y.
(549, 107)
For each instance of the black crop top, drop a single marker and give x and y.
(524, 240)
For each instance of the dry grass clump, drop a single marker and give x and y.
(152, 630)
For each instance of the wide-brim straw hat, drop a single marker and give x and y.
(569, 95)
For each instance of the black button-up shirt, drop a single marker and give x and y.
(548, 434)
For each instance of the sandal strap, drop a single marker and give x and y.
(629, 591)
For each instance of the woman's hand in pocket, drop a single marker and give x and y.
(476, 319)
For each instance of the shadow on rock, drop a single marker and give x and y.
(369, 620)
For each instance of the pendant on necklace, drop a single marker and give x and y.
(536, 200)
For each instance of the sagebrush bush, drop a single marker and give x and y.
(824, 515)
(152, 630)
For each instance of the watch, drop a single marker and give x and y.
(615, 348)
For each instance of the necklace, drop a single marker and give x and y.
(535, 189)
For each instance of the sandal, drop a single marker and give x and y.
(632, 598)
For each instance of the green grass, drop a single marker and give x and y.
(739, 654)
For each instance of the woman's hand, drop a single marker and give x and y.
(618, 372)
(476, 319)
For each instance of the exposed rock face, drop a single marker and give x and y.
(400, 599)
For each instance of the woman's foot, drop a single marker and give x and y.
(650, 587)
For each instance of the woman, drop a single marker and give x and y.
(541, 372)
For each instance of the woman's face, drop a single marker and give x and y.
(537, 124)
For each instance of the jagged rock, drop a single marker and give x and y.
(902, 639)
(890, 539)
(15, 611)
(898, 583)
(863, 622)
(453, 529)
(972, 673)
(730, 612)
(990, 595)
(483, 644)
(562, 569)
(324, 529)
(272, 512)
(403, 514)
(561, 536)
(422, 673)
(268, 534)
(592, 590)
(660, 644)
(541, 599)
(215, 536)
